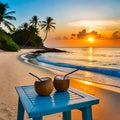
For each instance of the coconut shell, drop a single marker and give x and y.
(44, 87)
(61, 84)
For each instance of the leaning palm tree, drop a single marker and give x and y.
(30, 34)
(35, 22)
(47, 26)
(4, 16)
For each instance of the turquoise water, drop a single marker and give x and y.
(100, 60)
(102, 57)
(100, 65)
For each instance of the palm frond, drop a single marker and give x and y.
(53, 26)
(43, 26)
(10, 17)
(53, 23)
(6, 15)
(10, 26)
(44, 22)
(11, 12)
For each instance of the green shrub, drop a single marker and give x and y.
(26, 38)
(11, 46)
(6, 43)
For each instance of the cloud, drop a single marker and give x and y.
(84, 34)
(95, 34)
(57, 38)
(73, 35)
(65, 38)
(61, 38)
(116, 35)
(80, 35)
(94, 23)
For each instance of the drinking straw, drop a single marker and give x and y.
(35, 76)
(70, 73)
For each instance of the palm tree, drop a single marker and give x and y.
(6, 15)
(35, 22)
(47, 26)
(24, 26)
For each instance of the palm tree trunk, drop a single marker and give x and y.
(26, 42)
(45, 36)
(0, 26)
(29, 37)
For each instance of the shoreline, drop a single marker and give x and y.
(33, 62)
(15, 73)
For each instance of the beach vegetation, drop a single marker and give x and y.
(27, 35)
(47, 26)
(6, 42)
(26, 38)
(5, 16)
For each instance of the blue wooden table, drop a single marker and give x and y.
(39, 106)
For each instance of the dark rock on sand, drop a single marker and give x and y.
(46, 50)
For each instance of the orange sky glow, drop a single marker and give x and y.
(76, 21)
(106, 35)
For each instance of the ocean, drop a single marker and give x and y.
(99, 65)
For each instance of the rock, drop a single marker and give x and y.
(46, 50)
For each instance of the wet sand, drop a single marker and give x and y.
(108, 108)
(13, 73)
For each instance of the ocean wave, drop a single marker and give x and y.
(107, 71)
(66, 58)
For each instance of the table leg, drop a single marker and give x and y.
(20, 114)
(39, 118)
(67, 115)
(87, 113)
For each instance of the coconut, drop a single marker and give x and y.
(61, 83)
(44, 86)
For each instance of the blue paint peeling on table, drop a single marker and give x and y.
(38, 106)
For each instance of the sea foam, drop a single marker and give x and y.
(102, 70)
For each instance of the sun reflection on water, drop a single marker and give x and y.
(87, 82)
(90, 54)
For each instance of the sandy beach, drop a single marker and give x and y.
(13, 73)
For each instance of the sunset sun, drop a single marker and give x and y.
(90, 39)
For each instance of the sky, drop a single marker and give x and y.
(79, 23)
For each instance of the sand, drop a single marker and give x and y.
(13, 73)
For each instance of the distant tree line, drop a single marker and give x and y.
(26, 35)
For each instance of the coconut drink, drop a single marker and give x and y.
(61, 83)
(43, 86)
